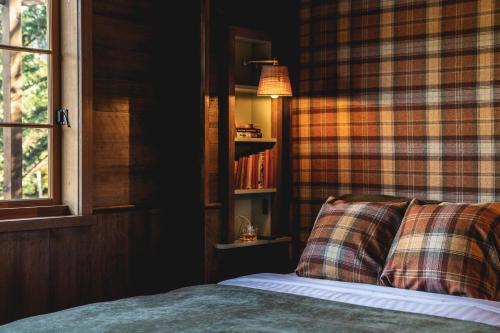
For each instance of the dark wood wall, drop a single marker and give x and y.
(125, 155)
(145, 173)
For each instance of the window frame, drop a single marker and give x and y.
(53, 54)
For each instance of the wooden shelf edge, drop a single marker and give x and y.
(255, 191)
(255, 140)
(259, 242)
(43, 223)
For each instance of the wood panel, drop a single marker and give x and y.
(24, 268)
(70, 267)
(126, 158)
(213, 226)
(110, 269)
(129, 9)
(120, 255)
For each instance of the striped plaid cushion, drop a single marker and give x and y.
(447, 248)
(350, 241)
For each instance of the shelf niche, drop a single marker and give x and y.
(260, 205)
(253, 109)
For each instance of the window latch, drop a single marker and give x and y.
(62, 117)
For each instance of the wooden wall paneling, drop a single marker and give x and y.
(109, 248)
(145, 157)
(136, 33)
(124, 160)
(139, 259)
(118, 95)
(32, 261)
(130, 9)
(8, 276)
(212, 237)
(122, 64)
(212, 180)
(24, 267)
(123, 98)
(205, 95)
(112, 159)
(160, 270)
(70, 267)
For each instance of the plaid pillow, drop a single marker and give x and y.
(350, 241)
(447, 248)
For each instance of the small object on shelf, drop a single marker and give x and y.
(248, 135)
(248, 131)
(248, 231)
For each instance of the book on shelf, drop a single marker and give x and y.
(254, 171)
(248, 135)
(248, 130)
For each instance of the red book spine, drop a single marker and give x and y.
(255, 177)
(260, 176)
(240, 172)
(243, 173)
(248, 173)
(235, 173)
(271, 169)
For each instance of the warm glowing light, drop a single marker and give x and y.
(274, 82)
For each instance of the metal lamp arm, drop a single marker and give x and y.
(273, 62)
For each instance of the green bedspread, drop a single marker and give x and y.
(218, 308)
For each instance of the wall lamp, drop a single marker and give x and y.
(274, 79)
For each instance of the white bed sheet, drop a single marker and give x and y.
(463, 308)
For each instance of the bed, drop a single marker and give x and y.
(398, 265)
(275, 303)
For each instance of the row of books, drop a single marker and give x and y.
(248, 131)
(254, 171)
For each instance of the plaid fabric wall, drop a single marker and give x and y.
(397, 97)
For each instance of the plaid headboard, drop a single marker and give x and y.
(396, 97)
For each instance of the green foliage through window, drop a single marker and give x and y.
(35, 103)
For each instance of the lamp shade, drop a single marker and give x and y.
(274, 82)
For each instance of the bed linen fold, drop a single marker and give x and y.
(447, 306)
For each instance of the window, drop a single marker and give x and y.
(29, 141)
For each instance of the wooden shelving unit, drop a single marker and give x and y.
(260, 205)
